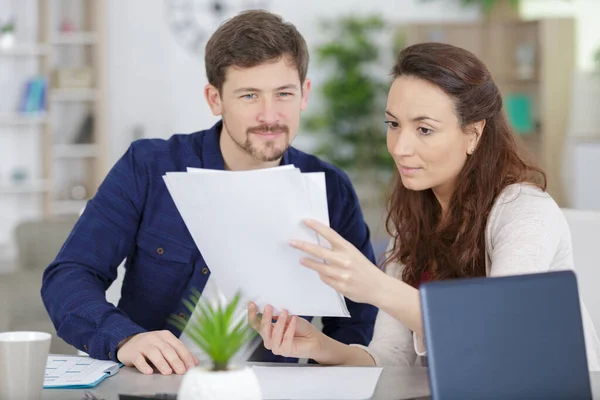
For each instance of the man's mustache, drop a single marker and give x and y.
(269, 128)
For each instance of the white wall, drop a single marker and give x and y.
(158, 84)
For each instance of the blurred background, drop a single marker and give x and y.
(81, 79)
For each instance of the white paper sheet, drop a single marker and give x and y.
(323, 383)
(242, 223)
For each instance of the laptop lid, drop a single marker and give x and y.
(505, 338)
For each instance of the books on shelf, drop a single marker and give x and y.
(34, 95)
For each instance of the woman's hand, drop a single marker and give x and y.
(345, 268)
(290, 336)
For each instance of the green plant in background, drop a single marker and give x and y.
(350, 123)
(214, 329)
(486, 5)
(597, 59)
(8, 27)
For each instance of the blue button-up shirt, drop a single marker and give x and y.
(132, 216)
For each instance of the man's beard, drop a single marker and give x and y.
(263, 154)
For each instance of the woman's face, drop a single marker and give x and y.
(425, 137)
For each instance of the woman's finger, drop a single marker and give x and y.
(253, 318)
(278, 331)
(333, 283)
(288, 338)
(321, 268)
(327, 232)
(313, 249)
(266, 326)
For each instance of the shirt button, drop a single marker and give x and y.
(160, 250)
(182, 315)
(205, 270)
(109, 355)
(85, 347)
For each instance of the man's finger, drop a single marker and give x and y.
(172, 358)
(183, 352)
(157, 359)
(142, 365)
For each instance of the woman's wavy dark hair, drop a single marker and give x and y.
(455, 246)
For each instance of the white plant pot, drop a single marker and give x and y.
(201, 383)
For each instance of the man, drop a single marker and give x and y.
(256, 66)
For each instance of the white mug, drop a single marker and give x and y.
(23, 359)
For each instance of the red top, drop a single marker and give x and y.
(425, 277)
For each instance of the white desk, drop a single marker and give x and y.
(395, 383)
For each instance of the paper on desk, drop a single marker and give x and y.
(242, 223)
(77, 372)
(324, 383)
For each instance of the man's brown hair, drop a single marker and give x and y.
(252, 38)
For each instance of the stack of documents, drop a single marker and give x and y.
(242, 222)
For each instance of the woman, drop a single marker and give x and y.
(465, 204)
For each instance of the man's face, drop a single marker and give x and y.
(260, 107)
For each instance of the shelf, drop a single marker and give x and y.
(38, 186)
(25, 50)
(69, 206)
(75, 151)
(21, 119)
(73, 95)
(74, 38)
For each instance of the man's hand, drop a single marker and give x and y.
(161, 348)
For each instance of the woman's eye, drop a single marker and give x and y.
(425, 131)
(392, 124)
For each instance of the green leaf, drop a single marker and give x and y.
(213, 328)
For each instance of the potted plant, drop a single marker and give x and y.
(7, 35)
(494, 9)
(349, 123)
(219, 331)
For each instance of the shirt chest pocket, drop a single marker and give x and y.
(162, 266)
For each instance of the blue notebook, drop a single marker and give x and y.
(77, 372)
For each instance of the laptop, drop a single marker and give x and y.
(505, 338)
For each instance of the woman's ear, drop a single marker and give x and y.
(475, 133)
